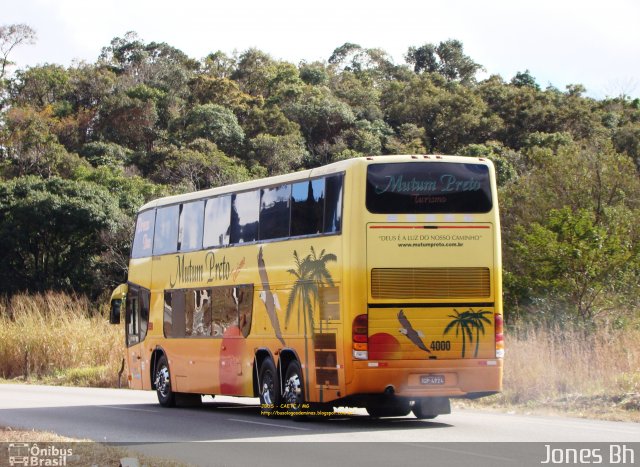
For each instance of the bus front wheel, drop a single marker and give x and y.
(162, 380)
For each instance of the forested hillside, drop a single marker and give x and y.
(81, 148)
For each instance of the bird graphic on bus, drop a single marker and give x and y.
(269, 298)
(413, 335)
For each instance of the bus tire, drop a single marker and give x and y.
(293, 391)
(421, 414)
(429, 408)
(269, 388)
(162, 380)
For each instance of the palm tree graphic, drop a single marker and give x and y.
(463, 324)
(310, 274)
(478, 319)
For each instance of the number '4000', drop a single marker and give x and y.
(440, 345)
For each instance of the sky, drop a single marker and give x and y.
(560, 42)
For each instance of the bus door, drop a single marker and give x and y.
(137, 321)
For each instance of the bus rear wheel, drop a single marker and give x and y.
(293, 393)
(269, 388)
(430, 407)
(162, 381)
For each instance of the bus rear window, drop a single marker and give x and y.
(428, 187)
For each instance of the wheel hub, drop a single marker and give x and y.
(293, 390)
(163, 381)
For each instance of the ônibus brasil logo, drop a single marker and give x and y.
(27, 454)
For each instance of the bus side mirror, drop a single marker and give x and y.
(114, 316)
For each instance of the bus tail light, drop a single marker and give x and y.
(360, 333)
(499, 327)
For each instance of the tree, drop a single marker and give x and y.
(524, 78)
(577, 261)
(218, 65)
(627, 140)
(315, 74)
(506, 161)
(363, 96)
(570, 243)
(254, 72)
(41, 85)
(320, 114)
(447, 59)
(30, 146)
(129, 122)
(409, 139)
(278, 154)
(206, 89)
(50, 230)
(216, 124)
(131, 191)
(451, 114)
(98, 154)
(12, 36)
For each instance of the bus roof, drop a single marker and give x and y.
(335, 167)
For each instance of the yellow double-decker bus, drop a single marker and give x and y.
(372, 282)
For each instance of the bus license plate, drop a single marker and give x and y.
(432, 379)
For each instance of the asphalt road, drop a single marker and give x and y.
(125, 416)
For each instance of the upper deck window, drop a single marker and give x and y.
(333, 204)
(307, 207)
(143, 239)
(274, 212)
(245, 216)
(166, 234)
(428, 187)
(217, 221)
(191, 226)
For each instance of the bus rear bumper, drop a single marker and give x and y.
(415, 379)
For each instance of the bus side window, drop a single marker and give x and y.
(198, 313)
(244, 294)
(307, 207)
(166, 231)
(144, 298)
(143, 238)
(274, 212)
(333, 204)
(167, 324)
(231, 308)
(245, 216)
(217, 221)
(174, 317)
(133, 317)
(191, 226)
(224, 313)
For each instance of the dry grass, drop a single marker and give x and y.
(55, 338)
(586, 374)
(85, 452)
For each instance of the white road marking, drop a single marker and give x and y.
(269, 424)
(127, 408)
(457, 451)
